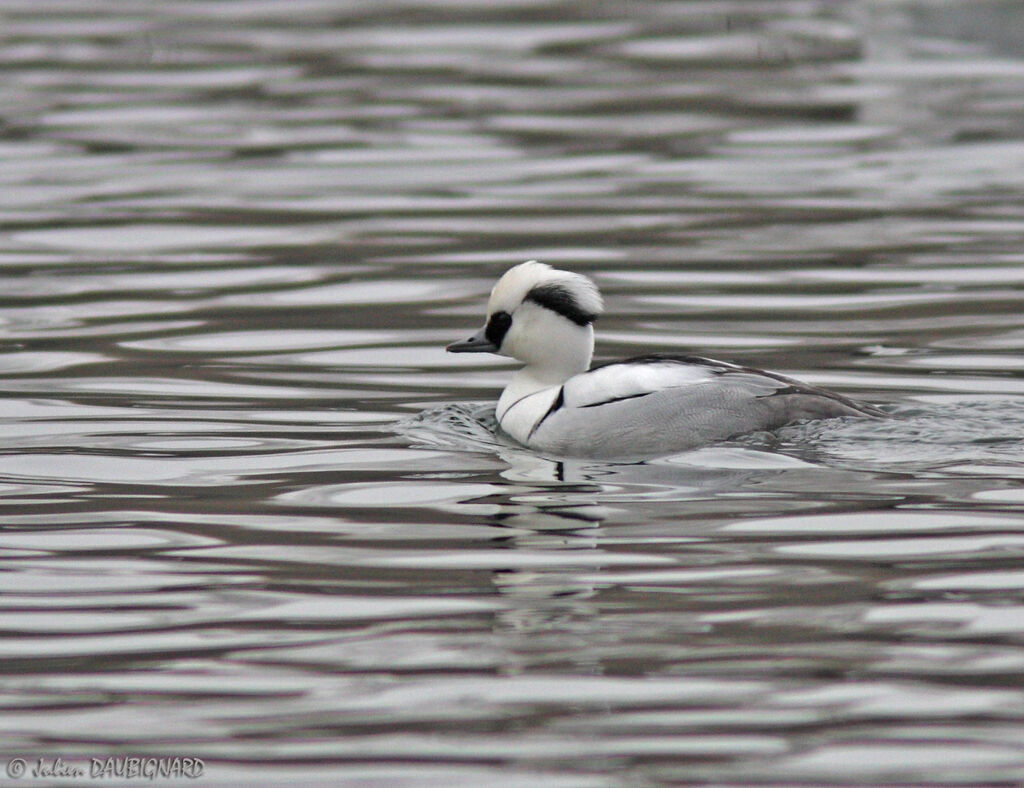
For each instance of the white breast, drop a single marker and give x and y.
(519, 414)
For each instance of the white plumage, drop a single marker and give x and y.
(637, 408)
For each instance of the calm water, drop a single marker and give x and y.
(243, 520)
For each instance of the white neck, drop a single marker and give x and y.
(557, 349)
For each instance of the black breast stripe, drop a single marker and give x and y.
(559, 402)
(527, 396)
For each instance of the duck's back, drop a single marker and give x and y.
(654, 405)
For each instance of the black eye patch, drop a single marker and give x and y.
(497, 327)
(561, 300)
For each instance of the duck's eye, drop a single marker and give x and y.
(497, 327)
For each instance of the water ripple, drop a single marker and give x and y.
(254, 513)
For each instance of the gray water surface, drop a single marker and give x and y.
(252, 512)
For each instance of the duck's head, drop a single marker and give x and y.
(540, 316)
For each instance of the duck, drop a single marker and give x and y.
(636, 408)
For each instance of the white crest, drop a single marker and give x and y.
(576, 294)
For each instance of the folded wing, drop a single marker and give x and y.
(667, 404)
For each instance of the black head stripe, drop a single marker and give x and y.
(561, 300)
(497, 326)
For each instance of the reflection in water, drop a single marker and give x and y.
(248, 515)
